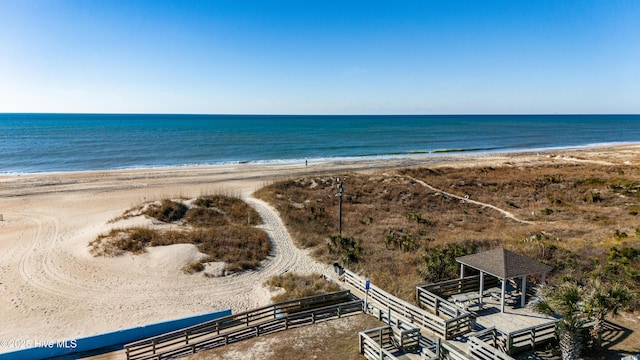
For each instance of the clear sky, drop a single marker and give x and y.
(320, 57)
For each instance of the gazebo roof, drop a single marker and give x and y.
(504, 264)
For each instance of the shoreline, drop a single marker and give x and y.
(415, 155)
(418, 156)
(52, 288)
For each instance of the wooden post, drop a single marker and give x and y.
(461, 271)
(524, 291)
(446, 330)
(504, 289)
(481, 287)
(533, 338)
(494, 334)
(437, 303)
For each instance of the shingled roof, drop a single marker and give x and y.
(504, 264)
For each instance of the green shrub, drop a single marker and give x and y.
(619, 235)
(439, 262)
(419, 219)
(349, 248)
(399, 240)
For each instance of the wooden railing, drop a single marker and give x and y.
(450, 352)
(374, 343)
(437, 305)
(484, 346)
(379, 343)
(444, 289)
(244, 325)
(443, 325)
(519, 340)
(429, 347)
(524, 339)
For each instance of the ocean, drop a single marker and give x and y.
(34, 143)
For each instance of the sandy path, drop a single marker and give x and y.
(506, 213)
(51, 288)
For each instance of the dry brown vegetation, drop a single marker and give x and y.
(217, 224)
(298, 286)
(583, 219)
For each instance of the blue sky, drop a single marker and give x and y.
(320, 57)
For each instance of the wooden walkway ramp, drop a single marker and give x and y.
(245, 325)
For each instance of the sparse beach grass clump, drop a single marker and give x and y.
(298, 286)
(570, 216)
(167, 210)
(221, 227)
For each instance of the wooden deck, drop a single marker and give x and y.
(514, 330)
(513, 319)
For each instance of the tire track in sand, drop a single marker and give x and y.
(46, 268)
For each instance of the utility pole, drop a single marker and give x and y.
(339, 195)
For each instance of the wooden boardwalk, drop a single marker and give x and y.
(516, 329)
(513, 319)
(257, 322)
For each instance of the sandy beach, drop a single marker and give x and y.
(51, 288)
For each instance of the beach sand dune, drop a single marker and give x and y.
(52, 288)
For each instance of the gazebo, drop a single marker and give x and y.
(504, 265)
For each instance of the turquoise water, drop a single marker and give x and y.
(32, 143)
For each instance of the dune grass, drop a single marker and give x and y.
(218, 225)
(298, 286)
(578, 214)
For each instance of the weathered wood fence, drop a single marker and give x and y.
(241, 326)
